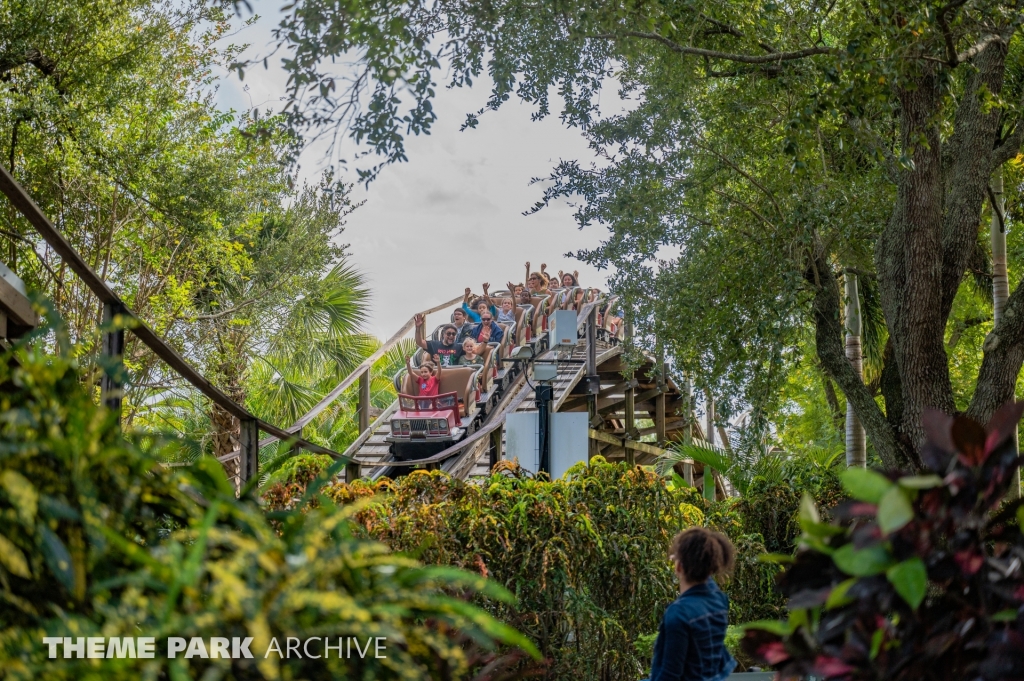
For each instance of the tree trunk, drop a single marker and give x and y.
(856, 451)
(230, 369)
(1000, 279)
(910, 261)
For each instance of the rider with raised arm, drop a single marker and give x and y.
(480, 305)
(426, 378)
(446, 351)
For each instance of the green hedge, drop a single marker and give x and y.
(586, 556)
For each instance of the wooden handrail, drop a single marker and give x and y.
(34, 214)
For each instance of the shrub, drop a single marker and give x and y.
(921, 576)
(770, 507)
(586, 555)
(98, 539)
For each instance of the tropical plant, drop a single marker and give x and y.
(740, 466)
(921, 575)
(100, 539)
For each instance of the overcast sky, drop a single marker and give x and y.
(451, 216)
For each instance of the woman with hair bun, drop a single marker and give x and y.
(691, 637)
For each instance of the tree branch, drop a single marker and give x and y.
(977, 47)
(744, 205)
(33, 56)
(961, 326)
(951, 56)
(832, 355)
(725, 159)
(230, 310)
(733, 31)
(772, 58)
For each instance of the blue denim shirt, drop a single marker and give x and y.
(691, 637)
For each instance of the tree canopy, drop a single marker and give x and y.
(108, 118)
(780, 146)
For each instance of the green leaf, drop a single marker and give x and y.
(873, 560)
(808, 511)
(920, 481)
(894, 510)
(57, 557)
(23, 495)
(810, 520)
(1008, 615)
(777, 627)
(910, 579)
(876, 642)
(13, 559)
(865, 485)
(777, 558)
(837, 597)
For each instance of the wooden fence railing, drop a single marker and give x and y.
(113, 341)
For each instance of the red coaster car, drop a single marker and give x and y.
(426, 419)
(424, 426)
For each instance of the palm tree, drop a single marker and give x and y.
(1000, 277)
(752, 460)
(856, 450)
(285, 396)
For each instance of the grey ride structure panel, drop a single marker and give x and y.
(568, 440)
(521, 439)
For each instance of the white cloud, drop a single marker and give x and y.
(451, 217)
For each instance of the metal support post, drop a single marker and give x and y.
(593, 380)
(543, 395)
(248, 451)
(364, 401)
(111, 385)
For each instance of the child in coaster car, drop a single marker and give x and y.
(470, 357)
(507, 315)
(426, 379)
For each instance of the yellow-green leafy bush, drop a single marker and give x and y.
(586, 556)
(98, 539)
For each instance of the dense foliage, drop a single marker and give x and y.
(586, 555)
(921, 576)
(97, 538)
(778, 147)
(109, 119)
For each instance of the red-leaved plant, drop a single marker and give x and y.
(919, 577)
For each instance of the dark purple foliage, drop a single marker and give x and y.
(919, 577)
